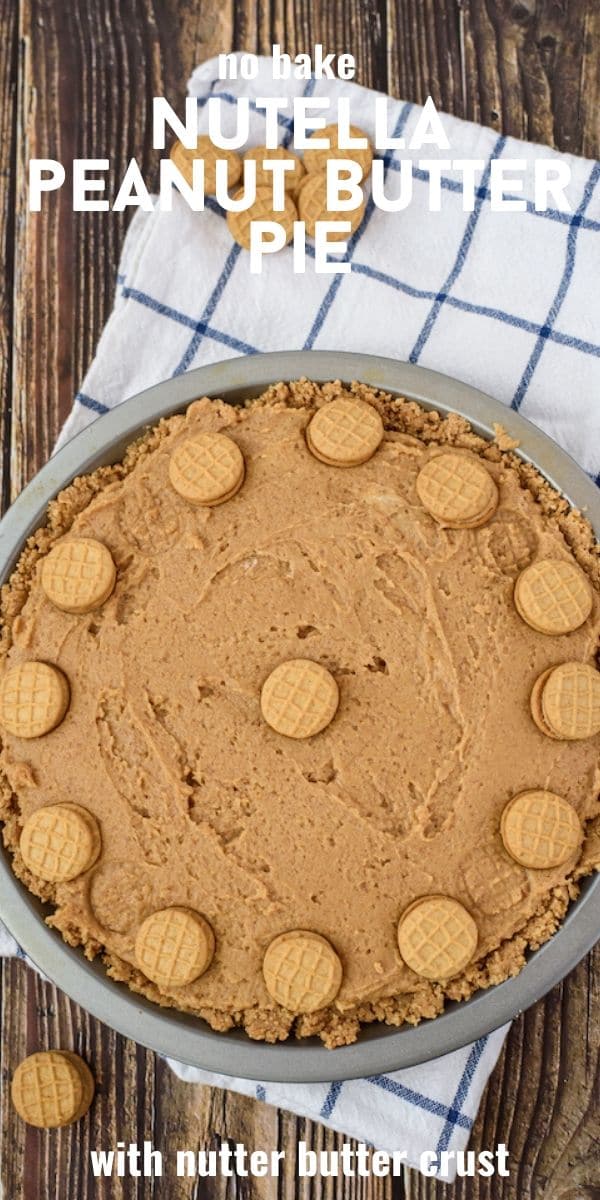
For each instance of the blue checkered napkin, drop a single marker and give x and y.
(503, 301)
(422, 1110)
(506, 301)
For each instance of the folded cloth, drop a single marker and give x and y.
(500, 300)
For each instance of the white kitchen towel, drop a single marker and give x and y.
(505, 301)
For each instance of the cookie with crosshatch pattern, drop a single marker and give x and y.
(52, 1088)
(34, 697)
(312, 207)
(210, 154)
(570, 701)
(207, 468)
(535, 704)
(345, 432)
(60, 842)
(316, 158)
(299, 698)
(302, 971)
(78, 575)
(457, 490)
(239, 223)
(553, 596)
(494, 882)
(437, 937)
(540, 829)
(174, 946)
(264, 179)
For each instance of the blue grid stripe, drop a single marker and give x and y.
(455, 1115)
(482, 310)
(352, 244)
(331, 1100)
(467, 306)
(174, 314)
(459, 261)
(549, 214)
(562, 289)
(448, 184)
(225, 276)
(95, 406)
(201, 325)
(419, 1100)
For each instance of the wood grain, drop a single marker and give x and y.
(75, 80)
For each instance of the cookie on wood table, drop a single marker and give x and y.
(52, 1088)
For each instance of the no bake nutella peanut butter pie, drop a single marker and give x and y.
(300, 709)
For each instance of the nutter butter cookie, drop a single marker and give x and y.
(34, 697)
(570, 701)
(316, 158)
(302, 971)
(299, 698)
(288, 792)
(262, 209)
(207, 469)
(540, 830)
(437, 937)
(78, 575)
(553, 596)
(345, 433)
(60, 842)
(313, 207)
(264, 177)
(457, 490)
(52, 1088)
(174, 946)
(206, 152)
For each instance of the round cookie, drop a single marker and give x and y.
(316, 159)
(570, 701)
(87, 1079)
(34, 697)
(345, 432)
(261, 210)
(264, 179)
(174, 946)
(553, 596)
(60, 842)
(437, 937)
(299, 698)
(312, 207)
(535, 703)
(207, 468)
(302, 971)
(457, 491)
(205, 149)
(78, 575)
(52, 1088)
(540, 829)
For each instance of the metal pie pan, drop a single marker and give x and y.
(184, 1037)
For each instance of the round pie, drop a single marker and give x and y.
(316, 770)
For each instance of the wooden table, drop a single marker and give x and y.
(75, 80)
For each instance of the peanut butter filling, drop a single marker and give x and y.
(203, 805)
